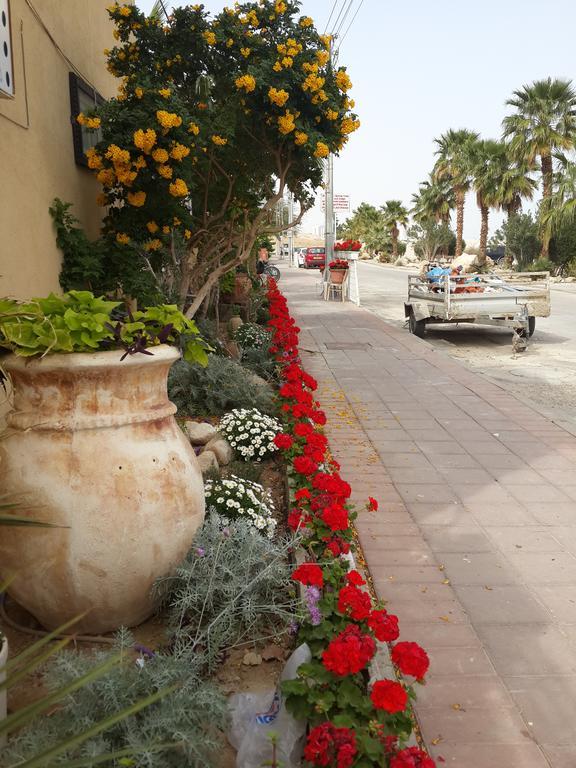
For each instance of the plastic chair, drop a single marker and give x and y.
(336, 290)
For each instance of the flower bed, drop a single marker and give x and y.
(352, 723)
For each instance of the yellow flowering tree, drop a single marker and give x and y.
(214, 119)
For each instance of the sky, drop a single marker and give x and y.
(420, 68)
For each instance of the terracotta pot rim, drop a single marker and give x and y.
(161, 354)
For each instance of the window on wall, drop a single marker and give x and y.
(6, 73)
(83, 98)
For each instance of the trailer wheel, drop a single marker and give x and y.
(417, 327)
(531, 325)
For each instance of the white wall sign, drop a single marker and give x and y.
(6, 68)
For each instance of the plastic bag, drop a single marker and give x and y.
(256, 716)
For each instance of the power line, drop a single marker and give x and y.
(337, 32)
(330, 17)
(349, 25)
(338, 17)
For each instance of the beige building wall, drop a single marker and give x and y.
(36, 148)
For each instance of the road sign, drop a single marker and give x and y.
(341, 203)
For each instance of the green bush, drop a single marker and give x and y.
(542, 265)
(219, 387)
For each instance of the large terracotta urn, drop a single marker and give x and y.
(92, 444)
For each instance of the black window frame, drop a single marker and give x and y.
(77, 87)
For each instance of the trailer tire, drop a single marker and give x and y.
(531, 325)
(416, 327)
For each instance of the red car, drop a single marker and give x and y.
(315, 258)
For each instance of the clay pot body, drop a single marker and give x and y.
(337, 276)
(92, 444)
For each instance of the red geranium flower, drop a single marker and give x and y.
(349, 652)
(410, 659)
(389, 695)
(336, 517)
(353, 577)
(330, 746)
(283, 441)
(354, 602)
(304, 465)
(309, 574)
(302, 493)
(303, 429)
(384, 625)
(296, 519)
(372, 504)
(412, 757)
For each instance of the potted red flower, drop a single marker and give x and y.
(348, 248)
(338, 269)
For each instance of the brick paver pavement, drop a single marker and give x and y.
(474, 545)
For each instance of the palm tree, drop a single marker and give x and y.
(516, 185)
(453, 166)
(544, 122)
(489, 165)
(561, 208)
(434, 201)
(395, 215)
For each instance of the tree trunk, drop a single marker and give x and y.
(483, 235)
(547, 182)
(395, 233)
(460, 198)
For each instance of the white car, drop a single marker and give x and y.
(299, 256)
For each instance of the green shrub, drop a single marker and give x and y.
(252, 336)
(219, 387)
(261, 363)
(542, 265)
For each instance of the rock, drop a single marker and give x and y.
(199, 432)
(468, 262)
(273, 652)
(410, 253)
(207, 462)
(252, 659)
(221, 449)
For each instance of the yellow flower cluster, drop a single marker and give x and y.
(319, 97)
(122, 238)
(210, 37)
(106, 177)
(137, 199)
(306, 21)
(286, 62)
(245, 52)
(300, 138)
(88, 122)
(160, 155)
(313, 83)
(250, 18)
(290, 48)
(343, 81)
(279, 97)
(286, 122)
(165, 171)
(117, 155)
(168, 119)
(187, 234)
(326, 41)
(247, 82)
(331, 114)
(280, 6)
(166, 229)
(349, 125)
(178, 188)
(310, 66)
(138, 92)
(321, 149)
(140, 162)
(322, 57)
(152, 227)
(153, 245)
(165, 93)
(219, 140)
(179, 152)
(94, 159)
(125, 10)
(145, 140)
(193, 128)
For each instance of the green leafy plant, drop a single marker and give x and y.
(234, 587)
(78, 321)
(211, 391)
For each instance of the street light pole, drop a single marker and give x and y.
(329, 213)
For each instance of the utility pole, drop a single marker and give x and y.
(329, 213)
(291, 230)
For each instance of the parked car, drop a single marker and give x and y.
(315, 258)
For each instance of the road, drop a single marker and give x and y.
(544, 375)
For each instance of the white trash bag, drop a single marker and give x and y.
(256, 716)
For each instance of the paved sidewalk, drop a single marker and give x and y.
(474, 545)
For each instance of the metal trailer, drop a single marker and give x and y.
(509, 300)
